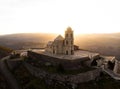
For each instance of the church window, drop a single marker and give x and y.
(53, 51)
(67, 42)
(66, 52)
(66, 35)
(71, 51)
(63, 43)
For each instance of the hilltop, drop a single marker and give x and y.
(107, 44)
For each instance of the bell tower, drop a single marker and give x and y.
(69, 42)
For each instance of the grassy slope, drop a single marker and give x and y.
(4, 51)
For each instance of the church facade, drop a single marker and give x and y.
(62, 45)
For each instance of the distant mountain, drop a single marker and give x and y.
(4, 51)
(106, 44)
(43, 37)
(26, 40)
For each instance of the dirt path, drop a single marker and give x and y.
(8, 75)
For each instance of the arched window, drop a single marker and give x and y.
(71, 51)
(63, 43)
(71, 35)
(66, 52)
(53, 51)
(66, 42)
(66, 35)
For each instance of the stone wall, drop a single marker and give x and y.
(117, 67)
(67, 64)
(73, 79)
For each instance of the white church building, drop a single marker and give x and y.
(62, 45)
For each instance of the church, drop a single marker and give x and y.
(62, 45)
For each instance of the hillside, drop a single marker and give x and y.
(4, 51)
(27, 81)
(106, 44)
(26, 40)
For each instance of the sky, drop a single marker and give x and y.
(54, 16)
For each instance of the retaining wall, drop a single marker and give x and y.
(75, 79)
(67, 64)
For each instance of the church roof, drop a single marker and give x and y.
(59, 38)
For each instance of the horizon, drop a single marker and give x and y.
(58, 33)
(88, 16)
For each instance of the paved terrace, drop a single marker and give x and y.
(77, 54)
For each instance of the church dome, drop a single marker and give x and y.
(59, 38)
(69, 29)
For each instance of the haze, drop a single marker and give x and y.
(53, 16)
